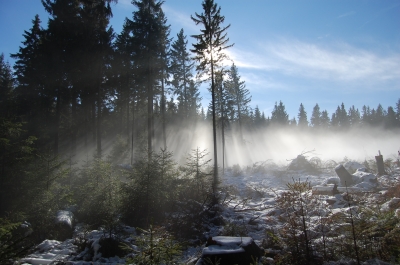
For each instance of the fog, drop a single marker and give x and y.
(282, 144)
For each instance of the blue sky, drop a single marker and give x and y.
(309, 52)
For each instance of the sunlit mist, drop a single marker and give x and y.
(282, 144)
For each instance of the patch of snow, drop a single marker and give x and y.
(65, 217)
(352, 166)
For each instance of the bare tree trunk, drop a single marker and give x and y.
(215, 180)
(163, 113)
(133, 125)
(93, 106)
(149, 116)
(99, 119)
(222, 129)
(127, 108)
(57, 121)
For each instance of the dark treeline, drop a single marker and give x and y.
(340, 119)
(78, 85)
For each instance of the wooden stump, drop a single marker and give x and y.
(380, 165)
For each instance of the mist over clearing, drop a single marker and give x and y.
(281, 144)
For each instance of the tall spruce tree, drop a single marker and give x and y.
(209, 53)
(378, 118)
(325, 121)
(77, 43)
(398, 112)
(366, 115)
(279, 115)
(181, 69)
(354, 117)
(341, 114)
(6, 88)
(239, 96)
(28, 72)
(221, 101)
(390, 119)
(193, 102)
(123, 68)
(149, 34)
(59, 42)
(316, 117)
(302, 116)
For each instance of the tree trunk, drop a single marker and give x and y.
(99, 120)
(215, 180)
(57, 121)
(127, 109)
(222, 130)
(163, 112)
(93, 113)
(149, 116)
(133, 125)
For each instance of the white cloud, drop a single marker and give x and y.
(343, 63)
(340, 62)
(180, 18)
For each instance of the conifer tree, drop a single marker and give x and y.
(354, 117)
(221, 110)
(149, 32)
(279, 115)
(239, 95)
(123, 68)
(390, 119)
(29, 74)
(398, 112)
(316, 117)
(257, 117)
(209, 53)
(341, 115)
(325, 121)
(366, 115)
(302, 116)
(6, 88)
(293, 122)
(378, 118)
(193, 102)
(58, 44)
(335, 119)
(76, 44)
(181, 69)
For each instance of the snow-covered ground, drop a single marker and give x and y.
(248, 207)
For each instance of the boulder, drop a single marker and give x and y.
(346, 179)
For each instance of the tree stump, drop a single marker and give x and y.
(380, 165)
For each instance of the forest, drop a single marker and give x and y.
(109, 125)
